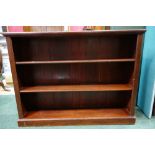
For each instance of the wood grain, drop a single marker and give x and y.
(20, 106)
(75, 100)
(63, 33)
(66, 48)
(136, 74)
(75, 61)
(72, 88)
(77, 117)
(71, 74)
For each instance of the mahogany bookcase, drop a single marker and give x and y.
(75, 78)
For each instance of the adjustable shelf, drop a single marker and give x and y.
(79, 88)
(75, 78)
(75, 61)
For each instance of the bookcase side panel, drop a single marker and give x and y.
(136, 73)
(15, 78)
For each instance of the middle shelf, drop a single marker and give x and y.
(75, 61)
(74, 88)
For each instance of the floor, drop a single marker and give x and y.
(8, 118)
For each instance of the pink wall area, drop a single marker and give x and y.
(76, 28)
(15, 28)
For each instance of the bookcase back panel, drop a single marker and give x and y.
(75, 100)
(55, 74)
(74, 47)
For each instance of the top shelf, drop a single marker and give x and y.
(75, 61)
(73, 33)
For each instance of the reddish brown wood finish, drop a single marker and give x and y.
(72, 78)
(70, 34)
(74, 48)
(135, 78)
(72, 88)
(77, 117)
(61, 74)
(75, 61)
(75, 100)
(20, 106)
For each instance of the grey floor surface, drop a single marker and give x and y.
(8, 118)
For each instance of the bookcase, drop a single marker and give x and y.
(75, 78)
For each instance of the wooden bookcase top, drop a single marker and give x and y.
(67, 33)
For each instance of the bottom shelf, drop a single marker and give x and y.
(76, 117)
